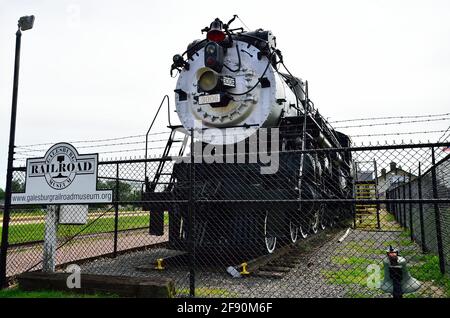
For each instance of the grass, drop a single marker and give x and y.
(389, 217)
(405, 234)
(398, 243)
(372, 294)
(362, 248)
(208, 292)
(352, 260)
(21, 233)
(428, 270)
(355, 273)
(348, 276)
(424, 267)
(370, 221)
(18, 293)
(25, 213)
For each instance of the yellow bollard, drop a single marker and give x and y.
(159, 263)
(244, 269)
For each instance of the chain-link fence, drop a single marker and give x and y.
(317, 223)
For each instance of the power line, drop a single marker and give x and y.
(391, 117)
(393, 123)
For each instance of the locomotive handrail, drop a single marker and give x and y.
(150, 128)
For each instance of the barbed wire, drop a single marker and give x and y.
(96, 140)
(28, 150)
(129, 150)
(388, 117)
(393, 123)
(399, 133)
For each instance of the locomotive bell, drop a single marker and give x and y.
(215, 32)
(395, 270)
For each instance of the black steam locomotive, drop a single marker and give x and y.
(237, 105)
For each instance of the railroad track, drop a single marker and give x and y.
(273, 266)
(284, 259)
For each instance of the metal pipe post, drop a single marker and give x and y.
(437, 214)
(422, 223)
(9, 171)
(411, 223)
(116, 211)
(191, 219)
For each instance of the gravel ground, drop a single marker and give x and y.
(318, 258)
(301, 281)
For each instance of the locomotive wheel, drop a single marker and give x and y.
(270, 239)
(331, 221)
(177, 230)
(182, 232)
(322, 220)
(303, 232)
(293, 232)
(314, 222)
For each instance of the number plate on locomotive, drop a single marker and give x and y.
(209, 99)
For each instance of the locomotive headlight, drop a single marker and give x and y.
(208, 79)
(210, 49)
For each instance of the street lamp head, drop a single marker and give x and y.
(26, 22)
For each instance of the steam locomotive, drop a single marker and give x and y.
(232, 95)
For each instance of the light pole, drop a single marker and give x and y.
(25, 23)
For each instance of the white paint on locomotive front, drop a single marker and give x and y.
(258, 108)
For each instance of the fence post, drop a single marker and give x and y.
(355, 176)
(377, 194)
(422, 224)
(191, 219)
(9, 169)
(50, 239)
(404, 206)
(437, 214)
(394, 205)
(411, 223)
(399, 206)
(116, 211)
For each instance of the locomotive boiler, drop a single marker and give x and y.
(236, 96)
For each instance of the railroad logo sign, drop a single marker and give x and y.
(61, 165)
(62, 176)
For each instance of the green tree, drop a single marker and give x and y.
(127, 191)
(2, 194)
(18, 186)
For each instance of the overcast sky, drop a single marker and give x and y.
(98, 69)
